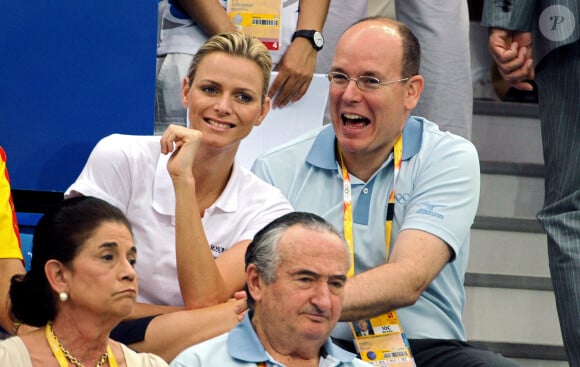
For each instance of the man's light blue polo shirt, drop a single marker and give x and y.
(437, 191)
(241, 347)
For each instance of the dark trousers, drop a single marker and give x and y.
(558, 80)
(447, 353)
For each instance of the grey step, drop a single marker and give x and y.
(540, 362)
(501, 315)
(508, 253)
(507, 224)
(512, 168)
(508, 281)
(507, 132)
(510, 306)
(506, 109)
(529, 355)
(505, 196)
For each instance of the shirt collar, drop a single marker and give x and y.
(244, 344)
(163, 200)
(322, 154)
(229, 198)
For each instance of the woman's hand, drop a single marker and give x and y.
(241, 306)
(184, 143)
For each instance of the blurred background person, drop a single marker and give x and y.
(11, 261)
(540, 41)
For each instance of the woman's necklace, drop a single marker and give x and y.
(63, 356)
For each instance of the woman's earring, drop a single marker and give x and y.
(63, 296)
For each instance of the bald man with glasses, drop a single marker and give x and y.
(403, 192)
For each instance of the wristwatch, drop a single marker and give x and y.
(315, 37)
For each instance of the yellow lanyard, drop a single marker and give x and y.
(59, 354)
(347, 202)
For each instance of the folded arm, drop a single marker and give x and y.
(203, 281)
(416, 259)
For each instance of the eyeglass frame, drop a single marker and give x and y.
(356, 81)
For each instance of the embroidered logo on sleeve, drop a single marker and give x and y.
(431, 209)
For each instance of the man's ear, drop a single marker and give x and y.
(414, 89)
(55, 273)
(254, 281)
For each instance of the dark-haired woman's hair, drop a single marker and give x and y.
(59, 235)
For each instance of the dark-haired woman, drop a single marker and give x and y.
(81, 284)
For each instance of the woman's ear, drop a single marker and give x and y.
(414, 89)
(185, 92)
(55, 273)
(263, 112)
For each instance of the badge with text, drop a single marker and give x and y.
(382, 342)
(259, 18)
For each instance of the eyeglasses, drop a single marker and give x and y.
(365, 83)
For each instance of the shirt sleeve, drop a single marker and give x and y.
(134, 359)
(266, 205)
(445, 193)
(514, 15)
(107, 174)
(9, 233)
(13, 352)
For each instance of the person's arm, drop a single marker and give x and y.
(203, 281)
(169, 334)
(8, 268)
(449, 178)
(209, 14)
(145, 310)
(416, 260)
(10, 253)
(296, 67)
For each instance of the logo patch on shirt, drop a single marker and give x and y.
(216, 250)
(402, 198)
(431, 209)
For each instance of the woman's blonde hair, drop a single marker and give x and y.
(236, 44)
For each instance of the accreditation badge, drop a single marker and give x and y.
(382, 342)
(259, 18)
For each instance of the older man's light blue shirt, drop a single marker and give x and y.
(241, 347)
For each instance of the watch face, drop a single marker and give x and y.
(318, 40)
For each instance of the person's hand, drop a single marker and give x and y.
(240, 306)
(184, 143)
(240, 295)
(512, 52)
(295, 71)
